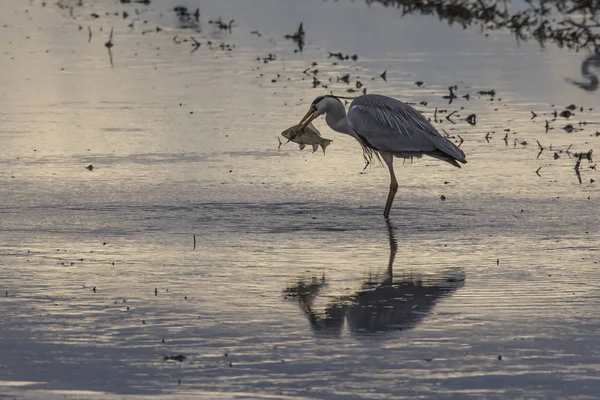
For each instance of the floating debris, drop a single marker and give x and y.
(298, 37)
(342, 57)
(570, 128)
(195, 44)
(186, 18)
(451, 114)
(587, 155)
(222, 25)
(566, 114)
(472, 119)
(577, 170)
(109, 45)
(541, 149)
(179, 358)
(451, 96)
(491, 93)
(315, 82)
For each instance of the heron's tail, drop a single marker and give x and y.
(447, 151)
(440, 155)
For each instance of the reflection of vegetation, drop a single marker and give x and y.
(567, 23)
(380, 305)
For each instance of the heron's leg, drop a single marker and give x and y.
(389, 279)
(389, 160)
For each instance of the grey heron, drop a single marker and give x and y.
(385, 127)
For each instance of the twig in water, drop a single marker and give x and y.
(109, 46)
(541, 149)
(538, 172)
(89, 34)
(179, 358)
(577, 172)
(449, 115)
(298, 37)
(451, 96)
(196, 44)
(195, 235)
(567, 150)
(587, 155)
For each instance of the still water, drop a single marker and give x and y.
(272, 270)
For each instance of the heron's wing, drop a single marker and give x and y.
(389, 125)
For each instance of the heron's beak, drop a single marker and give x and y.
(307, 119)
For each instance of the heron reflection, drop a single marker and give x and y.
(590, 82)
(380, 305)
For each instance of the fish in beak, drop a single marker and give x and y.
(309, 117)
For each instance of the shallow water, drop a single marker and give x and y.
(272, 302)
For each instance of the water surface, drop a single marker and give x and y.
(272, 302)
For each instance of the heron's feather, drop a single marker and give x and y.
(386, 124)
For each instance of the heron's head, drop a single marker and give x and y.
(319, 106)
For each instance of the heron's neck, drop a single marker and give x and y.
(336, 119)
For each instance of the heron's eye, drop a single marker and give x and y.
(317, 101)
